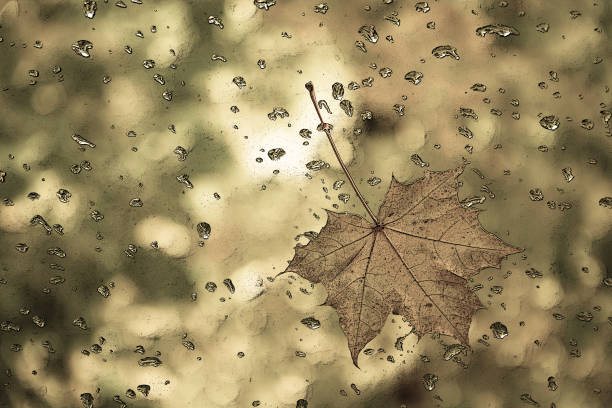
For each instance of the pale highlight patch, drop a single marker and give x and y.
(174, 239)
(48, 98)
(144, 320)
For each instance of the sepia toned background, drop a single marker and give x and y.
(250, 347)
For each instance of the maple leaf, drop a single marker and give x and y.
(413, 259)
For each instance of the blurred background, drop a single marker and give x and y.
(152, 150)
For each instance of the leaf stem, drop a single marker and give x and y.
(326, 127)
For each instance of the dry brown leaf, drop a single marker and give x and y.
(414, 263)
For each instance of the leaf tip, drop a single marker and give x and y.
(516, 250)
(459, 170)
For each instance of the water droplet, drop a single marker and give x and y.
(204, 230)
(323, 105)
(315, 165)
(82, 47)
(399, 108)
(63, 195)
(321, 8)
(442, 51)
(527, 399)
(587, 124)
(567, 174)
(347, 107)
(337, 91)
(501, 30)
(368, 32)
(181, 152)
(393, 18)
(80, 323)
(144, 389)
(96, 215)
(278, 112)
(373, 181)
(367, 115)
(471, 201)
(229, 285)
(453, 350)
(130, 251)
(168, 95)
(465, 132)
(38, 219)
(306, 133)
(499, 330)
(136, 202)
(385, 72)
(311, 323)
(216, 57)
(414, 77)
(57, 280)
(416, 159)
(468, 113)
(478, 87)
(81, 141)
(264, 4)
(239, 82)
(22, 247)
(344, 197)
(57, 251)
(87, 400)
(429, 381)
(550, 122)
(216, 21)
(552, 384)
(543, 27)
(606, 202)
(276, 153)
(422, 7)
(104, 291)
(149, 362)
